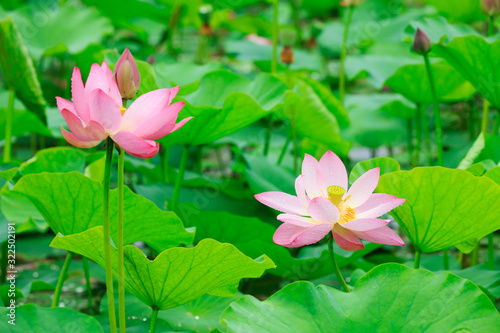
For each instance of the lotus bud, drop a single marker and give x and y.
(348, 3)
(127, 75)
(205, 13)
(490, 7)
(287, 55)
(421, 42)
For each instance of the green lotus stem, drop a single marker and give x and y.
(427, 137)
(107, 236)
(437, 116)
(460, 260)
(285, 147)
(154, 316)
(417, 259)
(7, 148)
(343, 54)
(474, 256)
(199, 159)
(85, 264)
(60, 281)
(276, 28)
(491, 252)
(446, 260)
(484, 123)
(409, 132)
(119, 236)
(180, 177)
(164, 153)
(5, 262)
(336, 267)
(418, 127)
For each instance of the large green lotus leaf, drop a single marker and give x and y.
(444, 207)
(57, 159)
(264, 175)
(478, 61)
(482, 276)
(439, 30)
(177, 275)
(486, 147)
(18, 70)
(459, 10)
(372, 126)
(23, 121)
(225, 103)
(122, 11)
(494, 174)
(72, 203)
(386, 165)
(82, 27)
(18, 209)
(413, 83)
(419, 301)
(254, 238)
(34, 318)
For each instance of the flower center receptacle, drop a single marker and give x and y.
(335, 195)
(123, 109)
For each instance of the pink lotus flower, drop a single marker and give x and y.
(97, 112)
(322, 205)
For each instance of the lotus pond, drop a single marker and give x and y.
(249, 166)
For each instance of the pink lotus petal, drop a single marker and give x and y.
(282, 202)
(93, 131)
(112, 87)
(65, 104)
(136, 146)
(300, 189)
(362, 188)
(297, 220)
(383, 235)
(147, 106)
(346, 245)
(313, 177)
(378, 204)
(334, 170)
(365, 224)
(290, 235)
(105, 111)
(79, 96)
(74, 141)
(323, 210)
(96, 80)
(160, 124)
(181, 123)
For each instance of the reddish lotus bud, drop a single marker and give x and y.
(347, 3)
(421, 42)
(127, 75)
(287, 55)
(490, 7)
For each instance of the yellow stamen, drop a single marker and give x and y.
(122, 109)
(335, 194)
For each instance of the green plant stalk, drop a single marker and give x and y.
(427, 138)
(343, 55)
(85, 264)
(437, 116)
(484, 123)
(336, 267)
(409, 131)
(285, 147)
(60, 281)
(180, 177)
(446, 260)
(7, 148)
(474, 256)
(417, 259)
(418, 134)
(154, 316)
(107, 236)
(119, 236)
(491, 252)
(5, 262)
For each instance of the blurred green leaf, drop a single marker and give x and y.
(386, 165)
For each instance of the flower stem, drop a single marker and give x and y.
(491, 252)
(446, 260)
(474, 256)
(336, 267)
(85, 263)
(60, 281)
(417, 259)
(418, 126)
(484, 123)
(409, 133)
(285, 147)
(180, 177)
(343, 54)
(7, 148)
(153, 320)
(437, 116)
(119, 231)
(107, 236)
